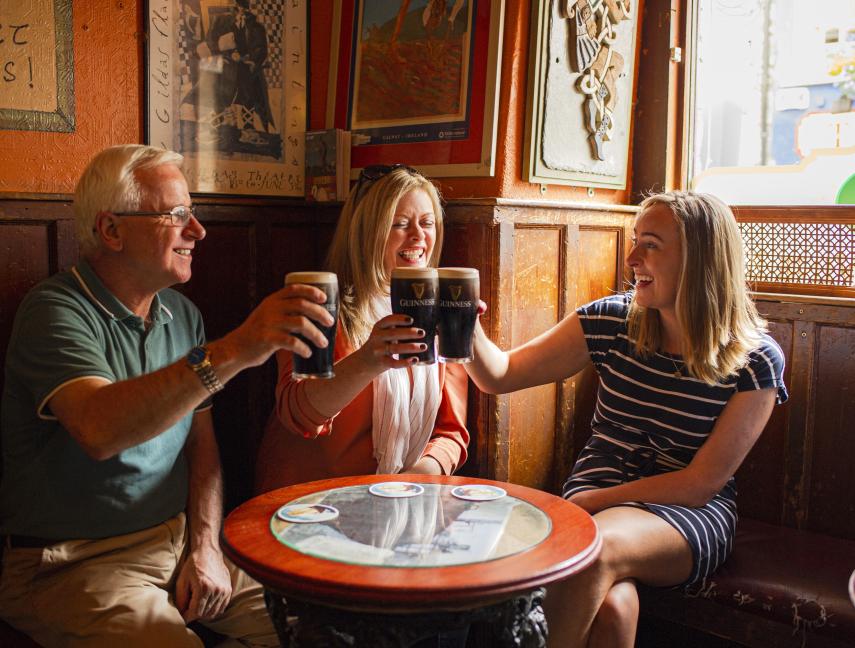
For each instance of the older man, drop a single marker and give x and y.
(110, 503)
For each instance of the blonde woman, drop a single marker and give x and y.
(688, 379)
(380, 413)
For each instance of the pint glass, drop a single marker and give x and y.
(414, 292)
(459, 292)
(320, 363)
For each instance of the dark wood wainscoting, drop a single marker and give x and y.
(244, 257)
(800, 472)
(537, 261)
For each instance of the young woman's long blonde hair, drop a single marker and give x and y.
(357, 250)
(719, 321)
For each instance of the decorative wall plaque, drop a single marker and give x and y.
(580, 92)
(593, 33)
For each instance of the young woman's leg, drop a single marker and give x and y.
(636, 545)
(617, 620)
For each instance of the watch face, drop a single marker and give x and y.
(196, 355)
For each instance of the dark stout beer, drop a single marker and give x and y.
(414, 292)
(459, 292)
(320, 363)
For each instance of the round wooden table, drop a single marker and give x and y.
(392, 571)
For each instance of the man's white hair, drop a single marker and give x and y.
(109, 184)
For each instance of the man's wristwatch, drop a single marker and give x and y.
(199, 360)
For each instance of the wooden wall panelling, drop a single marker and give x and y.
(760, 479)
(805, 451)
(655, 140)
(466, 244)
(36, 241)
(563, 243)
(224, 287)
(472, 239)
(806, 244)
(798, 435)
(251, 244)
(833, 410)
(497, 416)
(538, 287)
(599, 272)
(562, 446)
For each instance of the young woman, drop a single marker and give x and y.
(380, 413)
(688, 379)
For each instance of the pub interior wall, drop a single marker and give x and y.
(109, 93)
(251, 243)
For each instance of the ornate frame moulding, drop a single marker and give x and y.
(580, 92)
(37, 66)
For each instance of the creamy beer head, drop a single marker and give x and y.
(458, 273)
(414, 293)
(320, 363)
(311, 277)
(459, 293)
(414, 273)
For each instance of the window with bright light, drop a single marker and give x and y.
(773, 109)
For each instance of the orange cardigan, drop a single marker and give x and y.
(301, 445)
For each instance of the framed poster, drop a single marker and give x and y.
(226, 88)
(417, 81)
(36, 66)
(581, 75)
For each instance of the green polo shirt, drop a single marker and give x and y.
(67, 328)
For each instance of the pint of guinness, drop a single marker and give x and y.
(414, 293)
(459, 291)
(320, 363)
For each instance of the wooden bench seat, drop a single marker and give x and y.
(780, 587)
(785, 583)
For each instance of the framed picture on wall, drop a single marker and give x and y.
(37, 66)
(226, 87)
(417, 81)
(581, 77)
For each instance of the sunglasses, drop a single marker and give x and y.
(373, 172)
(178, 216)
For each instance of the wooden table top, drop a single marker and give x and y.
(573, 544)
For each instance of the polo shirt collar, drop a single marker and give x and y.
(107, 302)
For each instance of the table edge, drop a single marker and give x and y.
(307, 588)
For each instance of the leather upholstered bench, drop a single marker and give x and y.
(780, 587)
(786, 582)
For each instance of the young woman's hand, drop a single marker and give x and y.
(391, 337)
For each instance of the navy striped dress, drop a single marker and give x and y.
(648, 421)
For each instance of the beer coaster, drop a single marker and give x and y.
(396, 489)
(307, 513)
(478, 492)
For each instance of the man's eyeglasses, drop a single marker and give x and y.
(373, 172)
(178, 216)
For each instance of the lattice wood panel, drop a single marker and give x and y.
(816, 254)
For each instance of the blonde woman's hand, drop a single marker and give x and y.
(390, 338)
